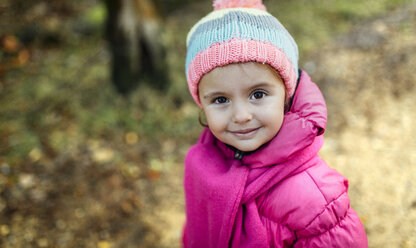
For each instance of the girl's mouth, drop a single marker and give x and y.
(245, 133)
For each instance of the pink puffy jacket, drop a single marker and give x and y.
(281, 195)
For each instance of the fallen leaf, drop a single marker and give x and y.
(22, 57)
(10, 44)
(4, 230)
(26, 181)
(35, 154)
(131, 138)
(153, 174)
(103, 244)
(127, 207)
(102, 155)
(42, 242)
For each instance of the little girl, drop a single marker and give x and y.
(254, 179)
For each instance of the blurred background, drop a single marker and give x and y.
(96, 118)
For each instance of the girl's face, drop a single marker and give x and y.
(243, 104)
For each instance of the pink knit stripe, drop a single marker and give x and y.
(223, 4)
(239, 51)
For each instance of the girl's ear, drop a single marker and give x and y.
(202, 118)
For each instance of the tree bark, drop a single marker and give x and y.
(134, 36)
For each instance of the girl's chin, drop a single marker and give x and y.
(247, 147)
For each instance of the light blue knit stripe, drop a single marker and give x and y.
(243, 26)
(217, 14)
(266, 21)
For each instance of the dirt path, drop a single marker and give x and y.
(368, 80)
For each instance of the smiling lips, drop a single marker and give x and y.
(245, 133)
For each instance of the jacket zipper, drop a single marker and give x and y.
(238, 155)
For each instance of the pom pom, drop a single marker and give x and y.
(224, 4)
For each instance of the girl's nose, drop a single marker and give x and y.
(242, 114)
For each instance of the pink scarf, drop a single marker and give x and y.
(221, 191)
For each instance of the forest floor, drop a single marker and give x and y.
(79, 168)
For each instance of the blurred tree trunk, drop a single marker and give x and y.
(134, 36)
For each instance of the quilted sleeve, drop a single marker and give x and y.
(337, 226)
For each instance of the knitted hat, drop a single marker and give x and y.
(240, 31)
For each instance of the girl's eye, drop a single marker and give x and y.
(258, 95)
(220, 100)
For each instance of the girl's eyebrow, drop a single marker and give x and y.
(211, 94)
(260, 85)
